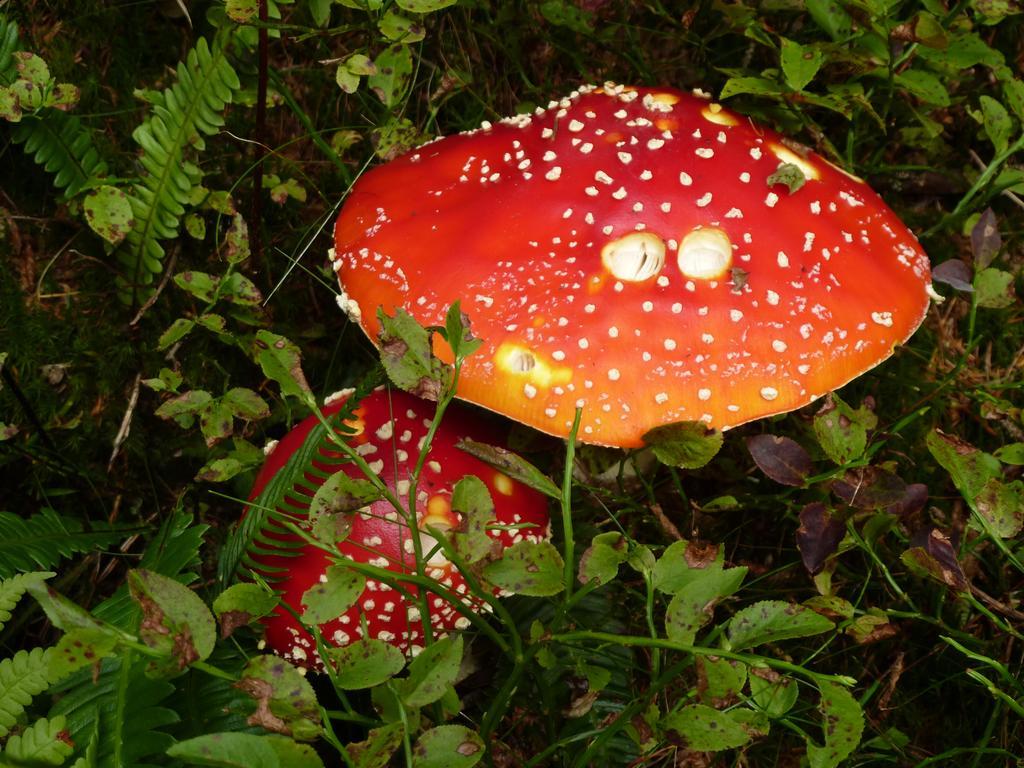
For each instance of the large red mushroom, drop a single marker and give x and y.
(644, 254)
(388, 429)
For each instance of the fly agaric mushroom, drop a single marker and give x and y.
(387, 430)
(635, 253)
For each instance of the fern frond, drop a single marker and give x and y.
(8, 45)
(63, 145)
(44, 539)
(121, 710)
(13, 588)
(22, 676)
(182, 115)
(42, 743)
(173, 551)
(261, 530)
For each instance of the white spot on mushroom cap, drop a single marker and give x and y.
(635, 257)
(705, 254)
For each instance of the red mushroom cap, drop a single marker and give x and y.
(628, 251)
(389, 427)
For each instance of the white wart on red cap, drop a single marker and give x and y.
(389, 428)
(623, 251)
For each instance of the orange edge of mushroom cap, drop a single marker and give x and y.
(623, 251)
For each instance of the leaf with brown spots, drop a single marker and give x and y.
(784, 460)
(684, 444)
(285, 701)
(843, 724)
(511, 464)
(684, 562)
(528, 568)
(376, 749)
(870, 488)
(240, 604)
(80, 648)
(772, 620)
(473, 501)
(408, 358)
(448, 746)
(932, 554)
(601, 560)
(818, 536)
(175, 621)
(281, 361)
(365, 663)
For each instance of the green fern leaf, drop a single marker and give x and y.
(173, 551)
(182, 115)
(63, 145)
(13, 588)
(8, 45)
(120, 712)
(261, 529)
(44, 539)
(59, 142)
(21, 677)
(42, 743)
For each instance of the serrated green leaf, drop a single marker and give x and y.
(175, 620)
(842, 432)
(692, 606)
(1011, 453)
(997, 123)
(771, 621)
(471, 498)
(684, 562)
(424, 6)
(340, 495)
(993, 288)
(242, 603)
(202, 285)
(108, 213)
(831, 17)
(1002, 506)
(245, 403)
(704, 729)
(282, 691)
(327, 600)
(365, 663)
(215, 422)
(969, 468)
(376, 749)
(79, 648)
(684, 444)
(511, 464)
(924, 85)
(448, 746)
(281, 361)
(432, 672)
(394, 69)
(528, 568)
(408, 358)
(227, 750)
(719, 681)
(601, 560)
(843, 726)
(177, 330)
(772, 692)
(800, 63)
(759, 86)
(400, 29)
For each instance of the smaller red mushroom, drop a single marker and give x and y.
(388, 428)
